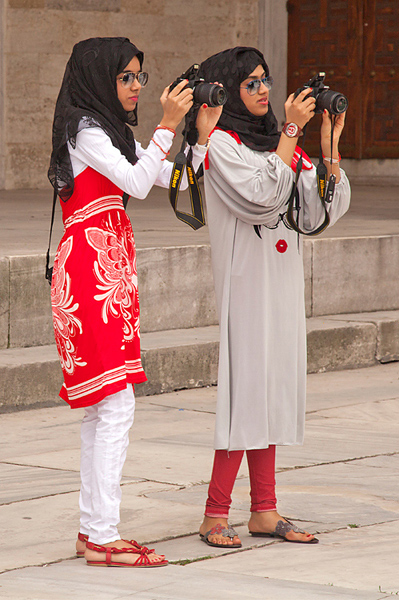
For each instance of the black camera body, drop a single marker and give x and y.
(211, 94)
(335, 102)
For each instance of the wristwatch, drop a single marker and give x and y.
(292, 130)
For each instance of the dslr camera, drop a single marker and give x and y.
(335, 102)
(211, 94)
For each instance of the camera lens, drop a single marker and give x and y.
(334, 102)
(218, 96)
(210, 94)
(339, 104)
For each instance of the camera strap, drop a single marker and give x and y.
(196, 218)
(49, 270)
(326, 192)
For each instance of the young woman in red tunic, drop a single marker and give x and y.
(95, 163)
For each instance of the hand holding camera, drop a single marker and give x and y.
(176, 103)
(326, 127)
(208, 101)
(206, 121)
(301, 108)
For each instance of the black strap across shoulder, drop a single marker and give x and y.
(49, 270)
(294, 207)
(196, 218)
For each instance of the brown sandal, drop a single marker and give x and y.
(226, 532)
(281, 530)
(142, 559)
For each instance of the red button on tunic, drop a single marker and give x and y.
(94, 294)
(281, 246)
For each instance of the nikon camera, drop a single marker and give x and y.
(335, 102)
(211, 94)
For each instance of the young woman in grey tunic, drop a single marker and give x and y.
(259, 285)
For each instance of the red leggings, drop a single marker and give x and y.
(261, 464)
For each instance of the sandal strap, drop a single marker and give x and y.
(140, 547)
(83, 537)
(228, 531)
(109, 550)
(284, 527)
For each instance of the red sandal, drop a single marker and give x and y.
(140, 547)
(83, 538)
(142, 559)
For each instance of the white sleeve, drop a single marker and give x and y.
(252, 193)
(94, 149)
(313, 212)
(163, 179)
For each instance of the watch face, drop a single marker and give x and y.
(291, 129)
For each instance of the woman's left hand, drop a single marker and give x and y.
(326, 130)
(207, 119)
(331, 150)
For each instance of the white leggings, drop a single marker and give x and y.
(104, 442)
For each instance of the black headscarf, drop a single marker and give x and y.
(230, 68)
(88, 98)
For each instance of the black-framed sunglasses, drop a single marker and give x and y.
(127, 79)
(253, 86)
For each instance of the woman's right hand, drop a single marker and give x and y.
(176, 104)
(300, 110)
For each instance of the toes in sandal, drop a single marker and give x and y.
(83, 538)
(226, 532)
(282, 528)
(141, 561)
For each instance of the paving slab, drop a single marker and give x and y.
(25, 219)
(366, 559)
(354, 387)
(73, 579)
(342, 483)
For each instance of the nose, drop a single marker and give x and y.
(263, 88)
(136, 85)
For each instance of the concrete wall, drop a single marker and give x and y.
(40, 34)
(2, 87)
(342, 276)
(273, 35)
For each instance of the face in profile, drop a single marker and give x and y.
(254, 91)
(128, 92)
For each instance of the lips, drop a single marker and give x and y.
(281, 246)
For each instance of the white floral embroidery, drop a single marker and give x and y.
(115, 270)
(66, 324)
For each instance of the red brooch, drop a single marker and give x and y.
(281, 246)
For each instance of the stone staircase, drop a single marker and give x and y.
(352, 305)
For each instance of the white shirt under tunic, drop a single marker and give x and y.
(94, 148)
(259, 287)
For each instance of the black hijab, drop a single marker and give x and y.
(230, 68)
(88, 98)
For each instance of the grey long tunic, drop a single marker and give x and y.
(259, 287)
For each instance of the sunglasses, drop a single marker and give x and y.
(253, 86)
(127, 79)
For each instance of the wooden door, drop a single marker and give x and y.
(356, 43)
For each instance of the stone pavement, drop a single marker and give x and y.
(342, 484)
(25, 219)
(351, 294)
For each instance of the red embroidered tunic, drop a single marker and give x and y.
(94, 294)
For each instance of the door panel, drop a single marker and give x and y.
(381, 79)
(356, 43)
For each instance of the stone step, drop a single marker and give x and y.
(342, 275)
(187, 358)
